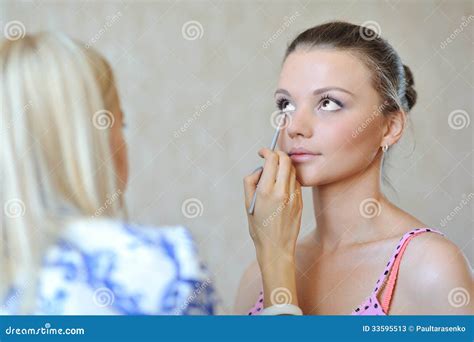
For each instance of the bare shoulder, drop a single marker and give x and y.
(437, 276)
(249, 289)
(436, 254)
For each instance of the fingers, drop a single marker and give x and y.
(284, 171)
(292, 185)
(250, 185)
(278, 175)
(298, 191)
(270, 169)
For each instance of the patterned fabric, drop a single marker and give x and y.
(371, 305)
(102, 267)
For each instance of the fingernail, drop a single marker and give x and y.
(258, 168)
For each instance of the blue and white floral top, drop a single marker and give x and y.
(104, 267)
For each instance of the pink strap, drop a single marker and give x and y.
(393, 276)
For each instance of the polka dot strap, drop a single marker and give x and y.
(258, 307)
(394, 263)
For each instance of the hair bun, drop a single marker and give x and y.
(410, 93)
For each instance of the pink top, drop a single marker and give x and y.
(371, 305)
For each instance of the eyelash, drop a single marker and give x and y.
(283, 102)
(327, 97)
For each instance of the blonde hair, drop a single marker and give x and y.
(56, 163)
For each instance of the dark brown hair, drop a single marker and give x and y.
(390, 77)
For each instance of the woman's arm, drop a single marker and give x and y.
(275, 225)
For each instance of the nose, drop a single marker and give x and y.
(300, 124)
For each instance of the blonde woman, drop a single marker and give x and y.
(65, 245)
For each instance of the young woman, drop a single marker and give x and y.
(346, 95)
(65, 245)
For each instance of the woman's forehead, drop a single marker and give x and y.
(319, 68)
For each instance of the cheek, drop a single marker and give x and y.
(343, 153)
(367, 137)
(334, 136)
(283, 141)
(345, 150)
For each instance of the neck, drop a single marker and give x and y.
(347, 211)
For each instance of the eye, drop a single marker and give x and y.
(329, 104)
(285, 106)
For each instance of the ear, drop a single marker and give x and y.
(394, 125)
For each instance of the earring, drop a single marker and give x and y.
(385, 148)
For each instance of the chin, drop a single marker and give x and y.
(306, 179)
(314, 175)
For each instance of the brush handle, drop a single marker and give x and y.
(272, 147)
(252, 205)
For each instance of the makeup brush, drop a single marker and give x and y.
(272, 147)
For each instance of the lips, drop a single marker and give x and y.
(300, 155)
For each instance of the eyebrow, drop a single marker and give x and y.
(317, 91)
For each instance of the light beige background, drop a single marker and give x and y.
(219, 89)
